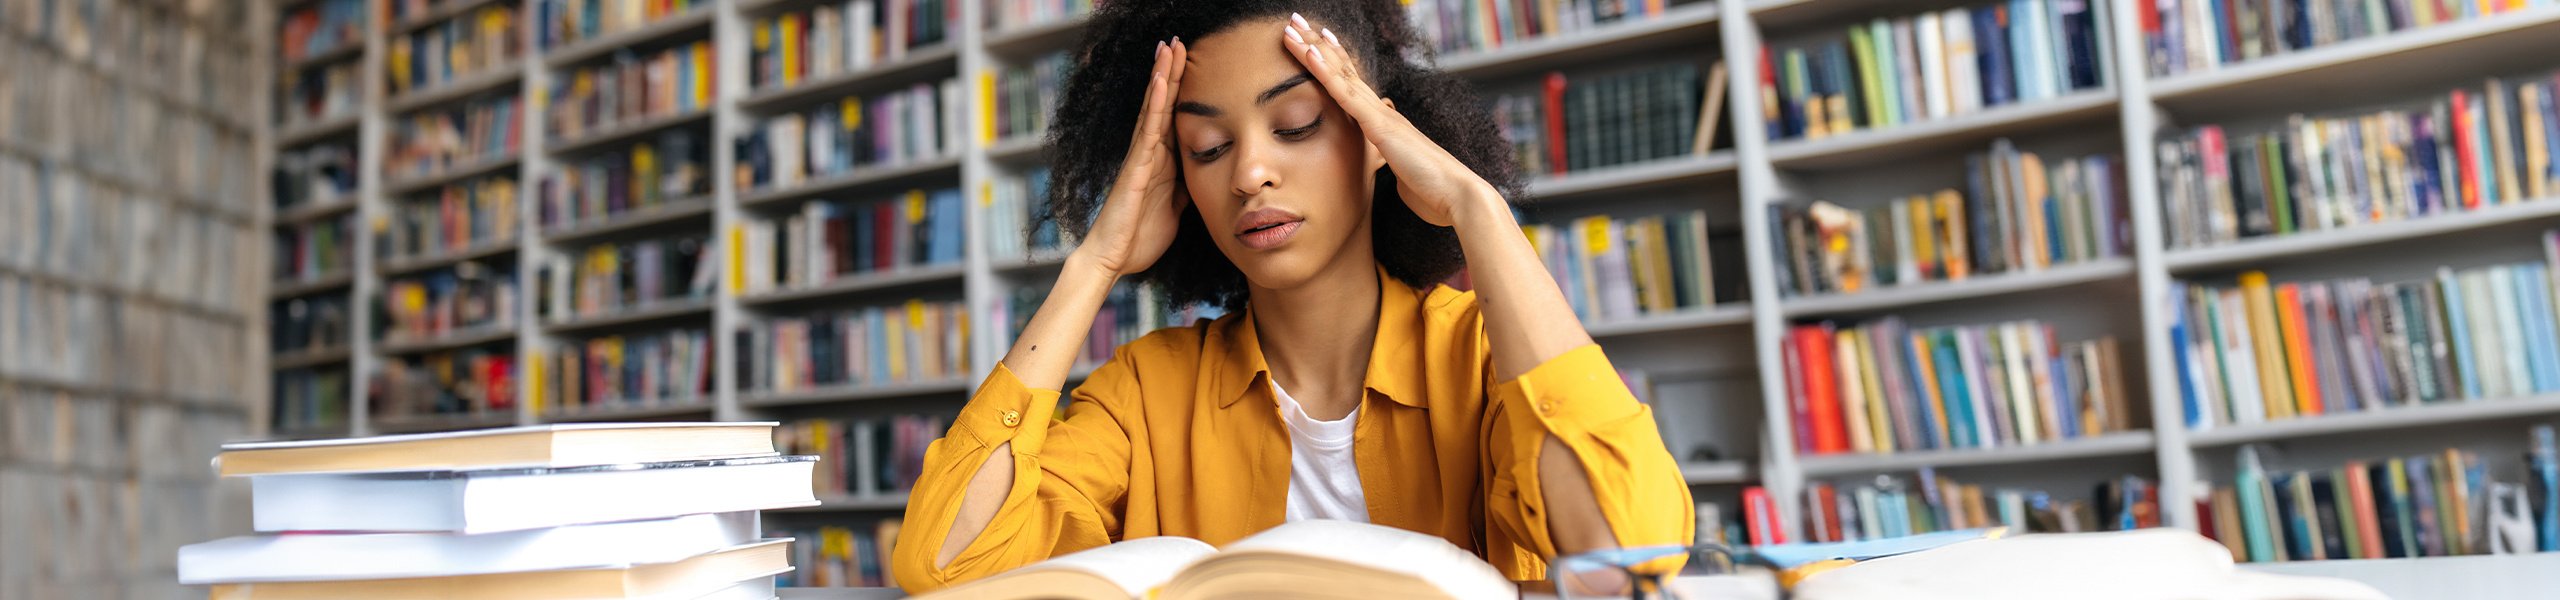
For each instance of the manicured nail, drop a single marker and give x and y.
(1328, 36)
(1301, 21)
(1292, 32)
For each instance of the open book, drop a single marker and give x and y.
(1306, 559)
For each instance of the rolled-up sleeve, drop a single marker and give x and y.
(1578, 398)
(1068, 478)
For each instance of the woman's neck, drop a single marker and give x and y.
(1316, 336)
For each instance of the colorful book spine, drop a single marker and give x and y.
(2189, 36)
(654, 370)
(2437, 504)
(565, 22)
(825, 241)
(454, 218)
(841, 37)
(431, 141)
(1128, 313)
(915, 341)
(922, 122)
(1023, 96)
(598, 188)
(468, 297)
(1950, 387)
(2308, 348)
(2017, 213)
(468, 383)
(317, 28)
(627, 88)
(1892, 507)
(1466, 26)
(1895, 71)
(1017, 232)
(480, 41)
(610, 278)
(1580, 123)
(1616, 269)
(836, 556)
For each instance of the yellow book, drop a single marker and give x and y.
(1924, 237)
(986, 107)
(791, 28)
(1853, 390)
(899, 329)
(1950, 206)
(737, 259)
(2502, 144)
(2275, 381)
(1879, 411)
(1658, 247)
(702, 75)
(2037, 247)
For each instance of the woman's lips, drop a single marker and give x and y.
(1271, 236)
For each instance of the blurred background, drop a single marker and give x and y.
(1896, 266)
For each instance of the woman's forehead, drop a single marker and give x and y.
(1231, 66)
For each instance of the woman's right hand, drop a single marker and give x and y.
(1144, 209)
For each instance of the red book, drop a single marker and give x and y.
(2150, 21)
(1797, 414)
(1822, 388)
(2466, 164)
(2204, 518)
(884, 236)
(1827, 504)
(2292, 324)
(1555, 123)
(1760, 518)
(2361, 518)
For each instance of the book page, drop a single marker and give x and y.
(1136, 565)
(1445, 566)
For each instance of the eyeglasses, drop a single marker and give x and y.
(1633, 573)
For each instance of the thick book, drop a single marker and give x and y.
(1325, 559)
(351, 556)
(493, 500)
(709, 575)
(566, 445)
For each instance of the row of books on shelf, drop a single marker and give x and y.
(1014, 202)
(1885, 387)
(467, 383)
(64, 224)
(1934, 65)
(428, 142)
(653, 370)
(1128, 312)
(317, 28)
(914, 341)
(2471, 149)
(313, 250)
(483, 40)
(598, 188)
(80, 337)
(310, 323)
(825, 241)
(1024, 95)
(2017, 213)
(467, 297)
(918, 123)
(1459, 26)
(869, 457)
(843, 36)
(317, 175)
(617, 277)
(319, 93)
(1614, 269)
(2259, 352)
(1893, 507)
(119, 130)
(839, 556)
(631, 88)
(310, 399)
(1587, 122)
(563, 22)
(1014, 15)
(2201, 35)
(453, 218)
(2447, 503)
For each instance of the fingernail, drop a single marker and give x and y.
(1328, 36)
(1293, 36)
(1319, 56)
(1301, 21)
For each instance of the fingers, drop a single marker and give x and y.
(1324, 56)
(1155, 118)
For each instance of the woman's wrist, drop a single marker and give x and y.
(1480, 208)
(1082, 265)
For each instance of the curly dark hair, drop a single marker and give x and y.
(1086, 144)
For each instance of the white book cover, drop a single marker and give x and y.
(1969, 359)
(2023, 400)
(2487, 335)
(354, 556)
(1964, 71)
(1933, 64)
(496, 500)
(860, 45)
(2511, 328)
(2239, 362)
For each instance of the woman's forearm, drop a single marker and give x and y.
(1041, 358)
(1526, 319)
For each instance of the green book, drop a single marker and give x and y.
(2279, 196)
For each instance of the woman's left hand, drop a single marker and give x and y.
(1433, 182)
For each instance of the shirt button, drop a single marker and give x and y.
(1012, 418)
(1547, 407)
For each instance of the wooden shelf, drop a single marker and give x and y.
(2404, 417)
(1897, 297)
(1038, 261)
(853, 393)
(2112, 444)
(313, 212)
(1683, 25)
(1021, 148)
(2263, 249)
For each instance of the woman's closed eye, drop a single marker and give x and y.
(1292, 134)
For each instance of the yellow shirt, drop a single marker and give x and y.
(1179, 434)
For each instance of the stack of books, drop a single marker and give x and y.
(1885, 387)
(614, 510)
(2443, 503)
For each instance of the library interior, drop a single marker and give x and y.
(611, 298)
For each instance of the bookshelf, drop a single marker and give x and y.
(1735, 185)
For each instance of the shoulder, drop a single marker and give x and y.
(1449, 311)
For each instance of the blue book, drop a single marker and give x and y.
(2022, 65)
(1991, 56)
(2457, 323)
(2546, 480)
(1923, 411)
(2187, 392)
(2430, 529)
(2249, 486)
(2533, 292)
(1958, 397)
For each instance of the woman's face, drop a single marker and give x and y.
(1281, 176)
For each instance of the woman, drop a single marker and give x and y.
(1264, 172)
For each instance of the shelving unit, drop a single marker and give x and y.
(2132, 108)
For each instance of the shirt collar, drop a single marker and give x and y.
(1395, 355)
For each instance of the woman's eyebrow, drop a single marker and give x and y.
(1205, 110)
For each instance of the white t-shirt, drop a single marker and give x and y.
(1323, 481)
